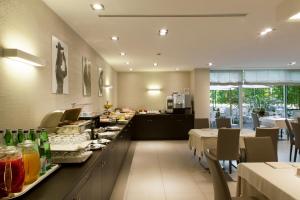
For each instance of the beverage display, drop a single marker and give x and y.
(31, 160)
(12, 173)
(15, 137)
(8, 138)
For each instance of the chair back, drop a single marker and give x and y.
(221, 190)
(223, 122)
(296, 131)
(289, 128)
(201, 123)
(255, 120)
(259, 149)
(228, 144)
(269, 132)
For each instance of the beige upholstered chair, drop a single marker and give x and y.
(269, 132)
(259, 149)
(227, 145)
(201, 123)
(221, 190)
(296, 131)
(291, 136)
(223, 122)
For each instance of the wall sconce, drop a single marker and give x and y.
(288, 10)
(21, 56)
(107, 86)
(154, 91)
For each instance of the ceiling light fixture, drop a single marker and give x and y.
(292, 63)
(163, 32)
(24, 57)
(155, 64)
(115, 38)
(177, 69)
(295, 17)
(127, 63)
(266, 31)
(130, 69)
(97, 6)
(123, 54)
(210, 64)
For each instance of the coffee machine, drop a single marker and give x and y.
(179, 103)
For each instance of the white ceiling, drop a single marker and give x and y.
(230, 43)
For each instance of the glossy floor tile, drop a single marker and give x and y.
(167, 170)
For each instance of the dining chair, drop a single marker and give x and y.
(227, 145)
(291, 136)
(255, 120)
(223, 122)
(259, 149)
(221, 190)
(296, 131)
(269, 132)
(201, 123)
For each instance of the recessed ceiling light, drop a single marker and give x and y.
(163, 32)
(210, 64)
(130, 69)
(266, 31)
(292, 63)
(155, 64)
(115, 38)
(127, 63)
(123, 54)
(177, 69)
(97, 6)
(295, 17)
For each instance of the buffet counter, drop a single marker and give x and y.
(93, 179)
(162, 126)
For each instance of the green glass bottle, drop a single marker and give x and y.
(32, 135)
(15, 137)
(21, 136)
(45, 151)
(8, 138)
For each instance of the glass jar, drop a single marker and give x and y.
(12, 172)
(31, 160)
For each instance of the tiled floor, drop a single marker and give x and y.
(167, 170)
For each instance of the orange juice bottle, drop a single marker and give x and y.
(31, 160)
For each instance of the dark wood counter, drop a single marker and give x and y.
(162, 126)
(93, 179)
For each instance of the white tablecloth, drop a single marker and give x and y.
(277, 182)
(273, 122)
(201, 139)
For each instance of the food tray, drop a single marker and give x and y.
(26, 188)
(72, 159)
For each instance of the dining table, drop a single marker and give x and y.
(273, 121)
(269, 180)
(202, 139)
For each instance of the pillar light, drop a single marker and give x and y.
(24, 57)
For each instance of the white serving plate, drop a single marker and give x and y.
(72, 159)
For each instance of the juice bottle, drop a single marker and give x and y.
(12, 173)
(31, 160)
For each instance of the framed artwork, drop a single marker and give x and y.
(100, 82)
(60, 75)
(86, 77)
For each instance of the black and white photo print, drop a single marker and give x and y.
(60, 77)
(86, 77)
(100, 82)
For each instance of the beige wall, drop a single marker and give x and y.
(200, 89)
(25, 91)
(132, 88)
